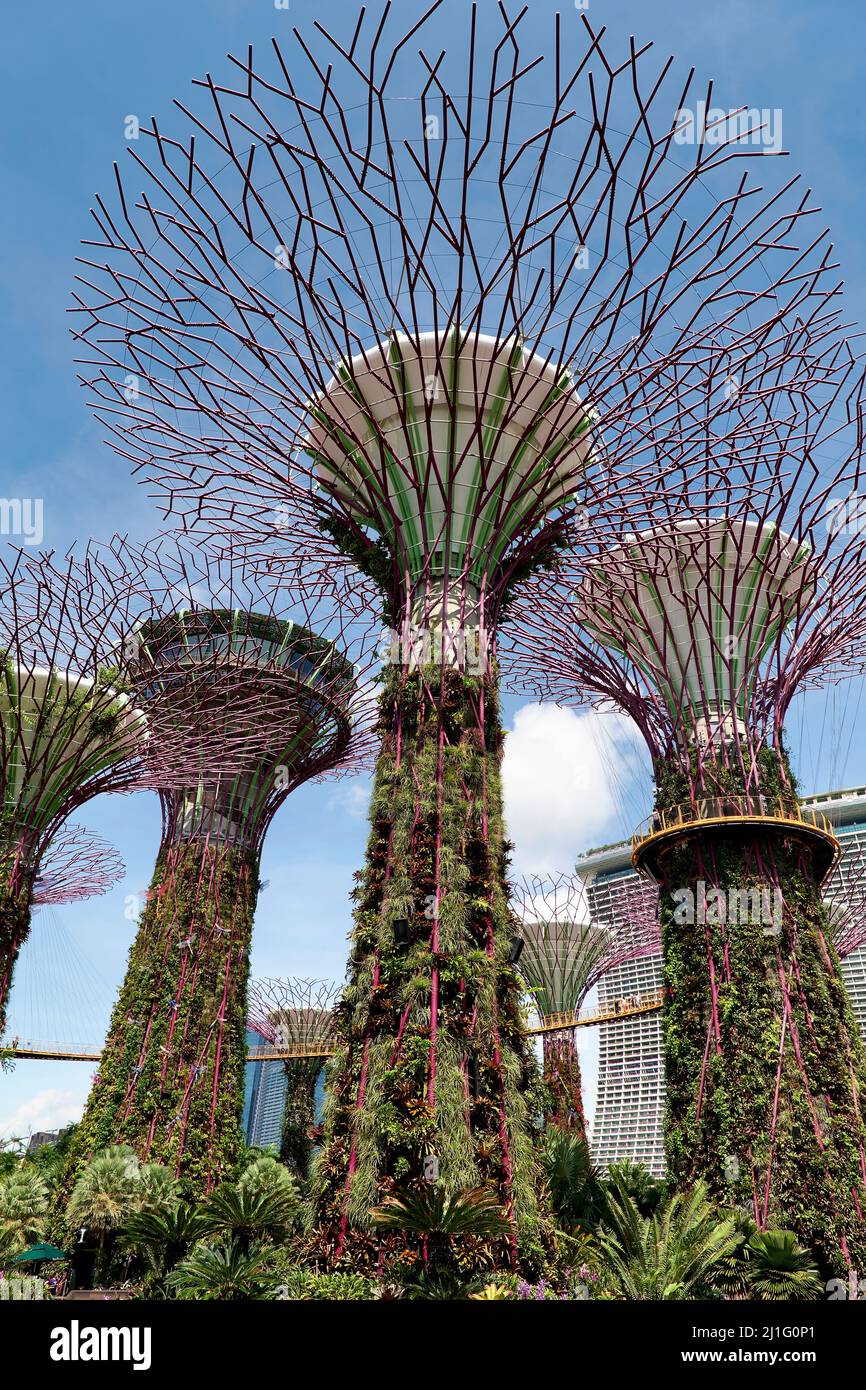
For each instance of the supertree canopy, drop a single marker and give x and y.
(564, 955)
(298, 1016)
(741, 584)
(427, 313)
(277, 687)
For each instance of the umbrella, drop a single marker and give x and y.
(40, 1252)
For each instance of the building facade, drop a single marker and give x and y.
(264, 1100)
(629, 1108)
(847, 812)
(629, 1111)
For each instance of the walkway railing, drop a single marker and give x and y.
(733, 810)
(23, 1048)
(606, 1013)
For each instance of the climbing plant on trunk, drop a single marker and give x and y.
(432, 1066)
(764, 1062)
(171, 1077)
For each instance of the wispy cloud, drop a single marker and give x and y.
(353, 798)
(46, 1110)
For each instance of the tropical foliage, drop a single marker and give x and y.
(673, 1254)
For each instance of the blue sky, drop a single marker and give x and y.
(69, 75)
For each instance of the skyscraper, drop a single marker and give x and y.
(629, 1107)
(847, 884)
(264, 1099)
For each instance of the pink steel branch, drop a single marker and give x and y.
(293, 1012)
(597, 630)
(253, 263)
(76, 865)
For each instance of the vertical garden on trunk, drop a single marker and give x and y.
(764, 1063)
(432, 1070)
(171, 1077)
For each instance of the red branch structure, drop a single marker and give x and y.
(76, 865)
(739, 584)
(78, 715)
(285, 692)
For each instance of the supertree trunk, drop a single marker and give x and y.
(431, 1059)
(15, 911)
(563, 1080)
(171, 1078)
(299, 1117)
(763, 1058)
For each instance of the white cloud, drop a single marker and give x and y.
(564, 775)
(353, 798)
(46, 1110)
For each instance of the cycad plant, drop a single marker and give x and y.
(163, 1236)
(780, 1268)
(244, 1213)
(673, 1254)
(445, 1223)
(224, 1272)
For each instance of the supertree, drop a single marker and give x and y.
(423, 312)
(297, 1015)
(741, 584)
(281, 696)
(71, 726)
(564, 955)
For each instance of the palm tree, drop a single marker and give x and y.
(245, 1212)
(157, 1187)
(106, 1193)
(23, 1204)
(673, 1254)
(573, 1186)
(163, 1236)
(266, 1175)
(646, 1191)
(780, 1268)
(224, 1272)
(10, 1245)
